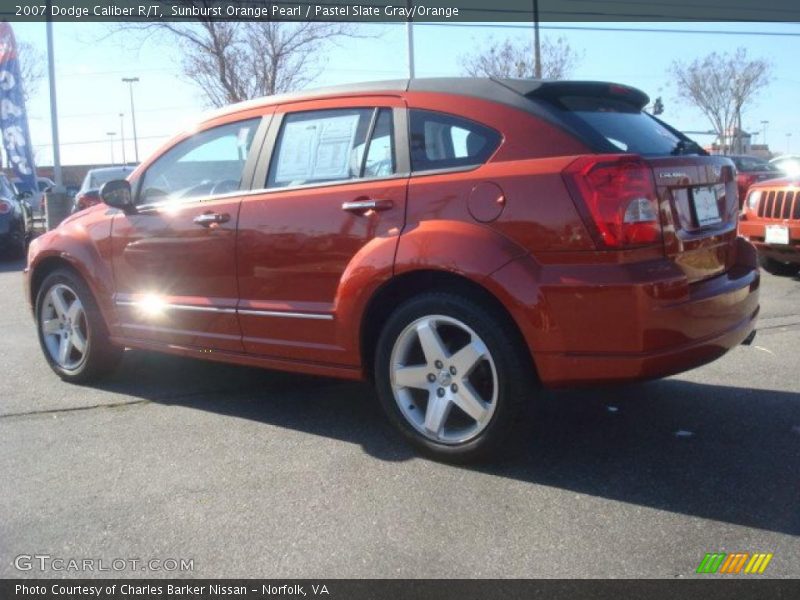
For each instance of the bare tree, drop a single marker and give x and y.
(31, 68)
(515, 59)
(721, 86)
(231, 61)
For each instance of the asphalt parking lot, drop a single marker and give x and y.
(264, 474)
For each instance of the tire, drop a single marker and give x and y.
(71, 330)
(777, 267)
(18, 245)
(495, 369)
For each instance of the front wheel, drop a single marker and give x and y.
(72, 333)
(452, 375)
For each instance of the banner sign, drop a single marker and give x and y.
(13, 118)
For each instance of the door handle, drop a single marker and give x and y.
(361, 206)
(210, 218)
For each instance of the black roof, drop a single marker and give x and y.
(513, 92)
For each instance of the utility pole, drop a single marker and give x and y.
(122, 137)
(130, 81)
(410, 40)
(537, 49)
(764, 130)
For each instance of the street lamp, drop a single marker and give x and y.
(122, 136)
(130, 81)
(764, 129)
(788, 142)
(111, 135)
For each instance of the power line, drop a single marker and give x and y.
(601, 28)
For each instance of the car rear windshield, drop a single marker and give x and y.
(621, 125)
(747, 164)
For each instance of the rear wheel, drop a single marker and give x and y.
(452, 375)
(72, 333)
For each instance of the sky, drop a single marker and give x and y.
(91, 59)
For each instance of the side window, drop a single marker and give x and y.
(327, 146)
(441, 141)
(208, 163)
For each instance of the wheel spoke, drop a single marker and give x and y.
(469, 401)
(431, 343)
(74, 310)
(64, 349)
(465, 359)
(51, 326)
(78, 340)
(412, 377)
(59, 304)
(436, 413)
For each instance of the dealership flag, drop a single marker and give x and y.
(13, 120)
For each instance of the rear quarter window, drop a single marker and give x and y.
(442, 141)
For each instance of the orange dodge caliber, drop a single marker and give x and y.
(460, 242)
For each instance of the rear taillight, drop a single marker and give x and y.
(5, 207)
(620, 198)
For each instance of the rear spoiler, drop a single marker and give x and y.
(552, 90)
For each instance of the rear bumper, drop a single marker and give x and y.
(618, 323)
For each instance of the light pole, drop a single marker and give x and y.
(111, 135)
(537, 51)
(130, 81)
(764, 130)
(788, 142)
(122, 137)
(410, 41)
(51, 70)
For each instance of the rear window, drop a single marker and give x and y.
(621, 124)
(747, 164)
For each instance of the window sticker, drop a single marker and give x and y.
(316, 150)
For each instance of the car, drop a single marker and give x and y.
(35, 197)
(789, 164)
(89, 192)
(459, 242)
(771, 221)
(16, 220)
(750, 169)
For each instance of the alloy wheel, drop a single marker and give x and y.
(443, 379)
(64, 327)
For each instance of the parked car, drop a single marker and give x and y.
(460, 242)
(789, 164)
(35, 197)
(89, 192)
(771, 221)
(749, 170)
(16, 220)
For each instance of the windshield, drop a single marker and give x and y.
(623, 125)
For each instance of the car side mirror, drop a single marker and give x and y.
(117, 194)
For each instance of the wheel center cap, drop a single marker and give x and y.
(445, 378)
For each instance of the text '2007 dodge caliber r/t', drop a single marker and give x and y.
(461, 242)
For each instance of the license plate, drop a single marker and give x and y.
(776, 234)
(705, 206)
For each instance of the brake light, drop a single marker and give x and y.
(620, 198)
(5, 207)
